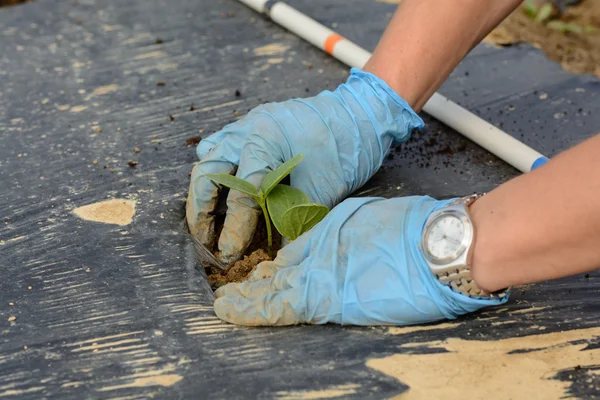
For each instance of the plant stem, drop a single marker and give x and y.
(263, 205)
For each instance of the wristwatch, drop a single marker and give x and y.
(447, 244)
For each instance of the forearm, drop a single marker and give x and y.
(542, 225)
(426, 40)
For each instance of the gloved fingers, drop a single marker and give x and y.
(295, 251)
(283, 279)
(241, 220)
(292, 254)
(243, 211)
(272, 309)
(202, 198)
(208, 144)
(265, 270)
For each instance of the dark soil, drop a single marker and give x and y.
(240, 270)
(256, 253)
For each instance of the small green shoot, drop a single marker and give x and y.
(289, 208)
(564, 27)
(544, 13)
(234, 183)
(530, 9)
(539, 13)
(277, 175)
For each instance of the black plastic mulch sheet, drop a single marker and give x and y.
(109, 311)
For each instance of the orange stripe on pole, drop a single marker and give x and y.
(331, 41)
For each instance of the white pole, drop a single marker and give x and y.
(501, 144)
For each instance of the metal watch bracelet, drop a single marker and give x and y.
(460, 279)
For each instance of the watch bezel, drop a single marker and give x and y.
(464, 243)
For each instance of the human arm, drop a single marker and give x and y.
(426, 39)
(539, 226)
(364, 263)
(360, 118)
(423, 43)
(542, 225)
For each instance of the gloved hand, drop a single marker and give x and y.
(344, 135)
(361, 265)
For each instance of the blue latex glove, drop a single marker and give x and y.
(344, 135)
(361, 265)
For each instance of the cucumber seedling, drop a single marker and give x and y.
(289, 208)
(539, 13)
(546, 13)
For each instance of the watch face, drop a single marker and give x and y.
(445, 239)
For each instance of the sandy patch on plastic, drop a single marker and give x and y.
(339, 391)
(114, 211)
(515, 368)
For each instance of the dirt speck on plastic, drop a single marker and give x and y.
(193, 141)
(5, 3)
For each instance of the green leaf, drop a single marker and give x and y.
(301, 218)
(234, 183)
(564, 27)
(281, 199)
(557, 26)
(573, 28)
(276, 176)
(530, 9)
(544, 13)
